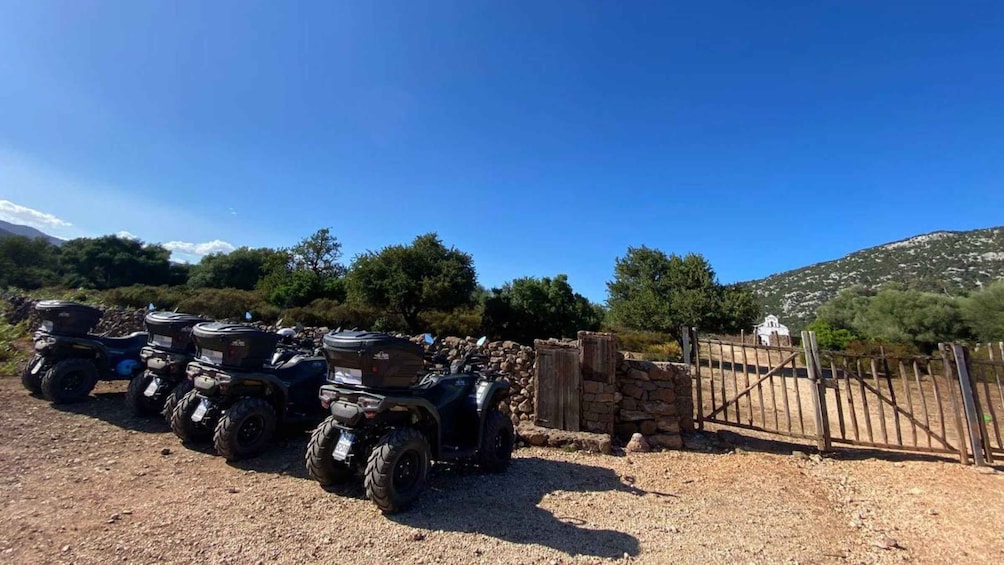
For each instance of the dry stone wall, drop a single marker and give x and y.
(655, 402)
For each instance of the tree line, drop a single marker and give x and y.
(424, 285)
(907, 317)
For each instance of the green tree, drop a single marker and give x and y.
(983, 312)
(529, 308)
(111, 261)
(27, 263)
(832, 339)
(738, 309)
(242, 268)
(846, 311)
(655, 292)
(408, 280)
(306, 272)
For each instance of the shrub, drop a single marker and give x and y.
(332, 314)
(221, 304)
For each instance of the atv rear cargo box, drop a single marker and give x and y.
(67, 318)
(233, 345)
(372, 360)
(172, 330)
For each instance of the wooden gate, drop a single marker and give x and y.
(752, 386)
(558, 387)
(984, 368)
(910, 403)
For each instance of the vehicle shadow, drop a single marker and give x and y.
(111, 407)
(507, 506)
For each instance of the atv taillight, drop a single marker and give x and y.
(367, 403)
(327, 396)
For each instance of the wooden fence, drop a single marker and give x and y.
(946, 403)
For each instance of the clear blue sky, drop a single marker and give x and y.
(542, 137)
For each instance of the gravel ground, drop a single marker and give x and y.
(89, 484)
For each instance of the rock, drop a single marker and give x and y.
(647, 427)
(663, 394)
(800, 455)
(816, 458)
(638, 374)
(532, 434)
(659, 408)
(538, 436)
(666, 441)
(668, 425)
(634, 416)
(417, 536)
(632, 391)
(165, 451)
(638, 444)
(525, 406)
(887, 543)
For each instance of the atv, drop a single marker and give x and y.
(69, 360)
(388, 425)
(169, 350)
(245, 385)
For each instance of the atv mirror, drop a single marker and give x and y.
(428, 339)
(482, 341)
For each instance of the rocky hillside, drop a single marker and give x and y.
(9, 229)
(943, 261)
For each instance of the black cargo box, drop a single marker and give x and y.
(67, 318)
(233, 345)
(372, 360)
(172, 330)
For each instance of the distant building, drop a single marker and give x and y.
(772, 327)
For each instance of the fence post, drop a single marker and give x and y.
(814, 368)
(692, 357)
(977, 428)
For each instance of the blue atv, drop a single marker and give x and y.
(69, 360)
(388, 424)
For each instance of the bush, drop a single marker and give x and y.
(222, 304)
(140, 296)
(331, 313)
(462, 322)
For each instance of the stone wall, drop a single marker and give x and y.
(655, 401)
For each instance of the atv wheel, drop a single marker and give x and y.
(70, 380)
(174, 397)
(496, 443)
(321, 464)
(139, 403)
(245, 429)
(397, 469)
(33, 381)
(181, 420)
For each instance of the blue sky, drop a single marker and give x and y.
(542, 137)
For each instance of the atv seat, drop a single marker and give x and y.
(135, 340)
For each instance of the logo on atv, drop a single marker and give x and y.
(238, 343)
(381, 355)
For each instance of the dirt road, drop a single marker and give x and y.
(90, 484)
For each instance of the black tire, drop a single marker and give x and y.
(495, 452)
(174, 397)
(397, 469)
(70, 380)
(246, 429)
(182, 424)
(139, 403)
(321, 465)
(32, 382)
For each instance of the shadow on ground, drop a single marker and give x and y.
(722, 441)
(506, 506)
(111, 407)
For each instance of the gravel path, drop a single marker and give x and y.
(89, 484)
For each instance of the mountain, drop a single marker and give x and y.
(9, 229)
(942, 261)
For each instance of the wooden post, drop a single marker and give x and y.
(972, 417)
(695, 346)
(815, 370)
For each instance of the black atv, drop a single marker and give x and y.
(169, 350)
(246, 384)
(69, 361)
(388, 426)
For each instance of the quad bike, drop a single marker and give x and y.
(388, 425)
(169, 350)
(246, 383)
(69, 361)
